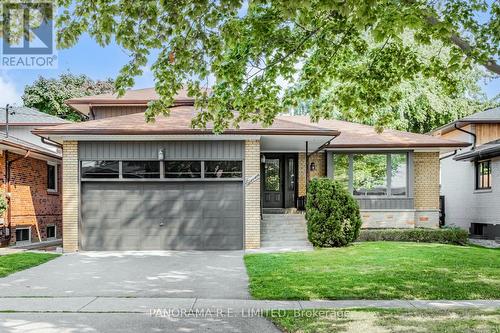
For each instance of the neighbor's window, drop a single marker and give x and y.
(367, 174)
(182, 169)
(141, 169)
(100, 169)
(483, 175)
(23, 235)
(223, 169)
(51, 177)
(51, 231)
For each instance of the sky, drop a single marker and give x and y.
(100, 63)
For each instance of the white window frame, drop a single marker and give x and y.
(55, 231)
(24, 241)
(56, 171)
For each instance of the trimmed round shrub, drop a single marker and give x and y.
(332, 214)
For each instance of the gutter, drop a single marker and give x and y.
(470, 133)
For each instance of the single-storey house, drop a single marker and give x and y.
(133, 185)
(30, 178)
(470, 177)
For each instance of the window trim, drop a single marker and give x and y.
(387, 153)
(29, 235)
(55, 232)
(56, 172)
(477, 186)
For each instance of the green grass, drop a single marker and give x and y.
(15, 262)
(377, 270)
(387, 320)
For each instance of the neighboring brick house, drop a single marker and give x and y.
(133, 185)
(30, 174)
(470, 177)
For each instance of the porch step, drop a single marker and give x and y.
(284, 230)
(280, 211)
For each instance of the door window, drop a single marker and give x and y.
(272, 175)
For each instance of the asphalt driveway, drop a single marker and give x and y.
(176, 274)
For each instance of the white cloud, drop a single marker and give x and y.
(8, 92)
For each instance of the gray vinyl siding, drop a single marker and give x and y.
(101, 112)
(173, 150)
(387, 202)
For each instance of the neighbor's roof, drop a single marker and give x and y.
(179, 123)
(489, 116)
(24, 116)
(487, 150)
(353, 135)
(25, 145)
(131, 97)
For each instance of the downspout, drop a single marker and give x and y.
(474, 138)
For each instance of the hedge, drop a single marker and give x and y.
(455, 236)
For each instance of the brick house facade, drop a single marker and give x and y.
(31, 205)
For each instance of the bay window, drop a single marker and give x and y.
(372, 174)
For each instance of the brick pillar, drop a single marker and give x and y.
(70, 196)
(426, 189)
(252, 194)
(319, 161)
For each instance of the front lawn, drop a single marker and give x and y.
(12, 263)
(378, 270)
(385, 320)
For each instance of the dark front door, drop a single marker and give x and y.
(279, 174)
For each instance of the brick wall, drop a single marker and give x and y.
(30, 203)
(252, 194)
(319, 160)
(70, 196)
(426, 186)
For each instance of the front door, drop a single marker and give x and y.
(279, 174)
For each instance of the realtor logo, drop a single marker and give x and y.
(28, 35)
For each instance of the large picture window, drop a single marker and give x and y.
(100, 169)
(483, 175)
(182, 169)
(141, 169)
(372, 174)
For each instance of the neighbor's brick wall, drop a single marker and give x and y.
(320, 160)
(30, 203)
(252, 194)
(70, 196)
(426, 189)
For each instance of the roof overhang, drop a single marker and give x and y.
(479, 154)
(34, 153)
(84, 107)
(462, 123)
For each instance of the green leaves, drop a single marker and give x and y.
(262, 58)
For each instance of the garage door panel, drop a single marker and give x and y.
(166, 215)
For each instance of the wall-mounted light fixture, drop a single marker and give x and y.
(312, 166)
(161, 154)
(262, 158)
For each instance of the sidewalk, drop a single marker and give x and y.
(147, 305)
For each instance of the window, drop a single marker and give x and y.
(483, 175)
(23, 235)
(100, 169)
(51, 231)
(272, 174)
(51, 177)
(367, 174)
(182, 169)
(141, 169)
(223, 169)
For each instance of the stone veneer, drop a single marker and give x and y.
(319, 160)
(70, 196)
(252, 194)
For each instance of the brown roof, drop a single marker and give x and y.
(178, 123)
(353, 135)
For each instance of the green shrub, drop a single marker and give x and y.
(455, 236)
(3, 205)
(332, 214)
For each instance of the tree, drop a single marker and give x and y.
(265, 57)
(48, 95)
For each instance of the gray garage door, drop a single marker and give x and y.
(162, 216)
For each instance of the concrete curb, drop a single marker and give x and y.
(147, 305)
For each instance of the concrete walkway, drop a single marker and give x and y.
(236, 306)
